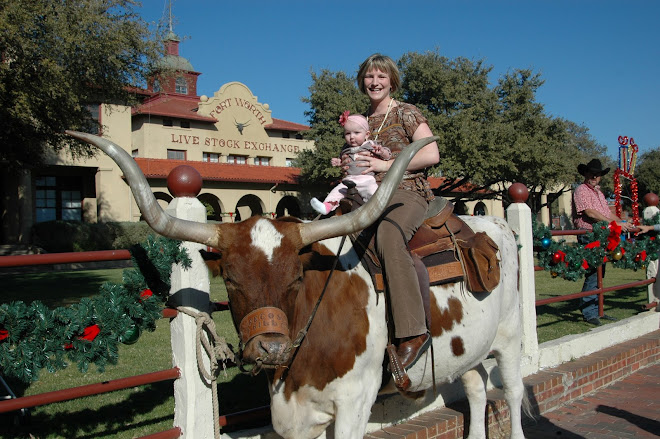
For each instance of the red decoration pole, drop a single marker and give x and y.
(627, 160)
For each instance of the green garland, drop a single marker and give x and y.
(34, 337)
(571, 261)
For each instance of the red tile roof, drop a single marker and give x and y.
(182, 107)
(160, 168)
(283, 125)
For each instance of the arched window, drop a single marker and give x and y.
(181, 86)
(156, 86)
(480, 209)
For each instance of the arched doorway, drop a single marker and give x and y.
(480, 209)
(248, 203)
(213, 207)
(288, 205)
(460, 208)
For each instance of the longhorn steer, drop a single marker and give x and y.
(276, 270)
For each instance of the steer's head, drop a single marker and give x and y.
(259, 259)
(260, 264)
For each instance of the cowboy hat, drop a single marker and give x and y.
(594, 167)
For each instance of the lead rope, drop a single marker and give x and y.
(217, 349)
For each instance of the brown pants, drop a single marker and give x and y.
(407, 209)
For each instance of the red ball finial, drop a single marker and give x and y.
(651, 199)
(184, 181)
(518, 193)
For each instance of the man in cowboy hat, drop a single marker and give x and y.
(590, 207)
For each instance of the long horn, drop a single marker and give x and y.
(159, 220)
(369, 213)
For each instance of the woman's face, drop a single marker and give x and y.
(377, 84)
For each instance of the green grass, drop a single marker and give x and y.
(148, 409)
(556, 320)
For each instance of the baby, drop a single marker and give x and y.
(356, 134)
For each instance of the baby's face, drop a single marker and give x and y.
(354, 134)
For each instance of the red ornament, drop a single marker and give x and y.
(145, 294)
(89, 334)
(558, 256)
(3, 334)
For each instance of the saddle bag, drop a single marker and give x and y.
(482, 269)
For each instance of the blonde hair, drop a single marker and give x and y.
(383, 63)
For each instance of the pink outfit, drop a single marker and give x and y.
(365, 184)
(587, 197)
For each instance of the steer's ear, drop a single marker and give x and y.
(212, 260)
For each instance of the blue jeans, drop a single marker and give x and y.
(589, 304)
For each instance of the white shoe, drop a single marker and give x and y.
(318, 206)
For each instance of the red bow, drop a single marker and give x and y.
(344, 117)
(89, 334)
(614, 238)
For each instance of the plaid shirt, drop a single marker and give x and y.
(587, 197)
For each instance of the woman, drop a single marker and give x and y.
(395, 125)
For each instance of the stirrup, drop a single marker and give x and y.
(401, 379)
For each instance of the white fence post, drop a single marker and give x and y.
(519, 218)
(193, 403)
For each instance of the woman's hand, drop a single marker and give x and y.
(370, 163)
(335, 161)
(644, 229)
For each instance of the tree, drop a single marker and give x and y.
(461, 110)
(56, 59)
(648, 172)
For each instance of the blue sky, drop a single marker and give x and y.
(600, 59)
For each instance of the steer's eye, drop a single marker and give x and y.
(296, 282)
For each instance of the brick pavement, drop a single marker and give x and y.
(626, 409)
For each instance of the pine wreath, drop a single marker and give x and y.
(34, 337)
(571, 261)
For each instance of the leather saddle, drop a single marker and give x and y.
(444, 248)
